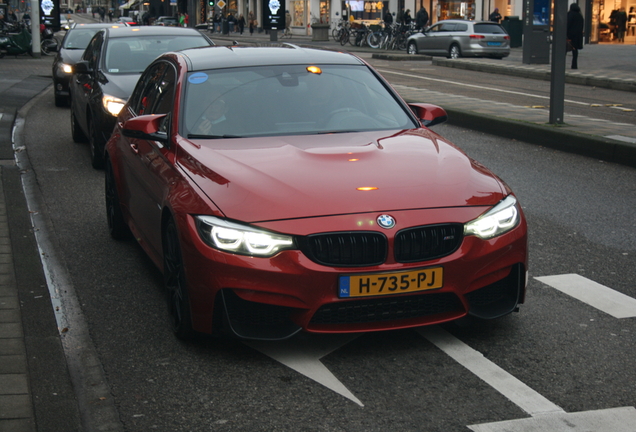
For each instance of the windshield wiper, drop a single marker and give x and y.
(195, 136)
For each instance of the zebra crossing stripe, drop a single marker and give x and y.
(592, 293)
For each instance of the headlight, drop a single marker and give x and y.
(241, 239)
(498, 220)
(66, 68)
(112, 104)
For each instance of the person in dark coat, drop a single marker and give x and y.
(421, 18)
(495, 16)
(575, 32)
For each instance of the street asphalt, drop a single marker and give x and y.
(36, 390)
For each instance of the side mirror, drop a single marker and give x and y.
(146, 127)
(81, 67)
(429, 115)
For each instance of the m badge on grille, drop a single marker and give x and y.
(386, 221)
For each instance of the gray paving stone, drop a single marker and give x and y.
(12, 364)
(11, 330)
(18, 425)
(14, 384)
(13, 346)
(15, 407)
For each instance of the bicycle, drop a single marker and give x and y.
(336, 33)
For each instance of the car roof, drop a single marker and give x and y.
(221, 57)
(115, 32)
(92, 25)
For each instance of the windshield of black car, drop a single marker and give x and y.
(79, 38)
(288, 100)
(127, 55)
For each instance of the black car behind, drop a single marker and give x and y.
(107, 73)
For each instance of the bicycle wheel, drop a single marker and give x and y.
(354, 37)
(334, 34)
(374, 39)
(344, 37)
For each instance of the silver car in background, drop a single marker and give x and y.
(459, 38)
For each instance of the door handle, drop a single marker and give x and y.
(134, 148)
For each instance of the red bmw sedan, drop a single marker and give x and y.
(282, 189)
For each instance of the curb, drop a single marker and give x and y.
(555, 137)
(526, 72)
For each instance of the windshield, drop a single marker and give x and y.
(79, 38)
(286, 100)
(133, 54)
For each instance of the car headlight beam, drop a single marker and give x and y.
(241, 239)
(112, 104)
(498, 220)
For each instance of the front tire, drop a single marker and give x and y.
(76, 131)
(97, 148)
(180, 318)
(454, 52)
(116, 225)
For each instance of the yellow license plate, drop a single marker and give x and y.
(378, 284)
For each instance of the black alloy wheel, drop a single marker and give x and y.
(176, 288)
(116, 225)
(97, 148)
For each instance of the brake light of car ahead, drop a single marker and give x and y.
(476, 36)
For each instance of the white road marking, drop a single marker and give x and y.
(519, 393)
(303, 355)
(594, 294)
(614, 420)
(480, 87)
(546, 416)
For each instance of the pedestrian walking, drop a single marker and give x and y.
(495, 16)
(575, 28)
(621, 25)
(421, 19)
(231, 21)
(288, 20)
(241, 23)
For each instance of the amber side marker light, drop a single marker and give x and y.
(367, 188)
(314, 70)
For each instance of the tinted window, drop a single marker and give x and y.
(488, 28)
(448, 27)
(461, 27)
(79, 38)
(289, 100)
(133, 54)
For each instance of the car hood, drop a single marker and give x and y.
(120, 86)
(274, 178)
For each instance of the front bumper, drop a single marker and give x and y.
(276, 297)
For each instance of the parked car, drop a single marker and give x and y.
(458, 38)
(70, 52)
(284, 189)
(107, 73)
(166, 21)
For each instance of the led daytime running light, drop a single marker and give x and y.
(499, 220)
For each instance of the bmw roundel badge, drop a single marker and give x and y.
(386, 221)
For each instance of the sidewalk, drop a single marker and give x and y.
(35, 386)
(36, 392)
